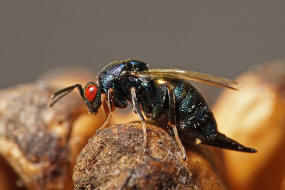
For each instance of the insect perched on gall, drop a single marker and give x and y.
(162, 95)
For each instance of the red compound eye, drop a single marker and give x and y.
(90, 92)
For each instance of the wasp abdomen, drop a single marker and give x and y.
(194, 120)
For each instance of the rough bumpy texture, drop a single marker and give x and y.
(114, 159)
(34, 137)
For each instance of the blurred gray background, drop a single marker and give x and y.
(219, 37)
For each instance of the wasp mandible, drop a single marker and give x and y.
(162, 95)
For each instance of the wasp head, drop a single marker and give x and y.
(91, 94)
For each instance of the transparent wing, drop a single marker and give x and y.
(189, 75)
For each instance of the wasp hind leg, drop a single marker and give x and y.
(181, 147)
(137, 110)
(172, 119)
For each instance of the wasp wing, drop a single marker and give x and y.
(189, 75)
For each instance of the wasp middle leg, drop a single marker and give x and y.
(137, 110)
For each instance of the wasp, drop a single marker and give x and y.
(164, 96)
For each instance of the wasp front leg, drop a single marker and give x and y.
(137, 110)
(108, 107)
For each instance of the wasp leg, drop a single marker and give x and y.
(172, 119)
(181, 147)
(139, 112)
(107, 108)
(63, 92)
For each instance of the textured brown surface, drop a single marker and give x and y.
(34, 137)
(9, 180)
(114, 159)
(39, 142)
(256, 117)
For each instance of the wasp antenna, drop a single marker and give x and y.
(58, 97)
(63, 92)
